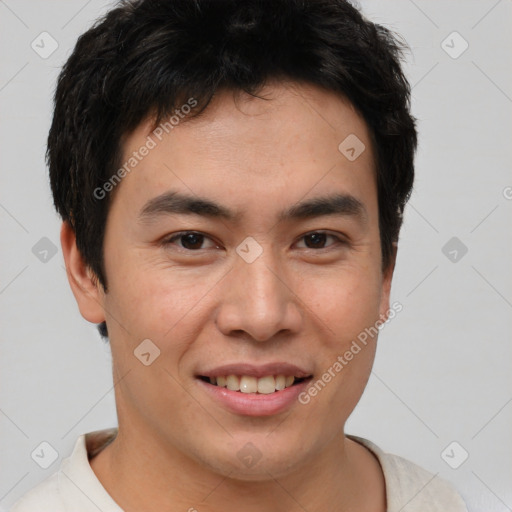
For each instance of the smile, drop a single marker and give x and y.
(254, 390)
(250, 384)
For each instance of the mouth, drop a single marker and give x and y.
(254, 390)
(250, 384)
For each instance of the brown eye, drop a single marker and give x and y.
(316, 240)
(192, 241)
(188, 240)
(319, 240)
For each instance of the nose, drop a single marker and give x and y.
(258, 300)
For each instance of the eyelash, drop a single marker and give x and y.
(177, 236)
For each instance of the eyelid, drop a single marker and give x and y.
(340, 239)
(169, 240)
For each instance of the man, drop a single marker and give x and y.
(231, 177)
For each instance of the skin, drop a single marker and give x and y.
(177, 449)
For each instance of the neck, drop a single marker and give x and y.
(344, 476)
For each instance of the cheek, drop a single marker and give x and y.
(153, 302)
(348, 307)
(346, 302)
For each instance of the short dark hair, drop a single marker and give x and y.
(144, 58)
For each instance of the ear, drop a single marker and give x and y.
(387, 278)
(87, 290)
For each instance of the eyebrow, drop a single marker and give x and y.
(178, 203)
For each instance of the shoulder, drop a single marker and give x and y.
(44, 496)
(74, 487)
(411, 488)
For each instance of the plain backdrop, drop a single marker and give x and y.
(441, 386)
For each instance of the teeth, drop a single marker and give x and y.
(233, 383)
(280, 382)
(266, 385)
(248, 384)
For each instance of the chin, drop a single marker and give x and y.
(253, 458)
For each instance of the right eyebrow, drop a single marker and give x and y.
(177, 202)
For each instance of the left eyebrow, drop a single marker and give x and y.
(173, 202)
(345, 205)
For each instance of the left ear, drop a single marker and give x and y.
(387, 277)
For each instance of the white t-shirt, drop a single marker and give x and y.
(75, 487)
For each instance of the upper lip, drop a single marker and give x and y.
(257, 371)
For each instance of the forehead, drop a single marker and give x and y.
(286, 142)
(279, 117)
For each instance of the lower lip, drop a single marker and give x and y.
(255, 404)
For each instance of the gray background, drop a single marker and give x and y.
(442, 372)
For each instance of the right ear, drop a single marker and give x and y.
(85, 286)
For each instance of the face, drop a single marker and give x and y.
(245, 246)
